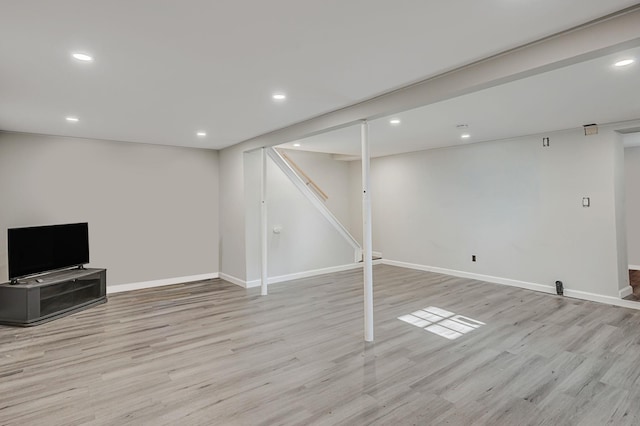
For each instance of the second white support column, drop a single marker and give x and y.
(366, 234)
(263, 224)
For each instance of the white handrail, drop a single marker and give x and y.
(303, 175)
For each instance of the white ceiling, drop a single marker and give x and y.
(589, 92)
(164, 69)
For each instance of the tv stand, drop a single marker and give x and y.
(29, 302)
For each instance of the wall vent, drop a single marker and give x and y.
(590, 129)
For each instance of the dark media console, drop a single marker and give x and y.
(44, 298)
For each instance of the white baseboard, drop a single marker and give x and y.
(634, 267)
(473, 276)
(289, 277)
(609, 300)
(233, 280)
(577, 294)
(158, 283)
(627, 291)
(305, 274)
(254, 283)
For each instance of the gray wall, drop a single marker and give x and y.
(355, 201)
(514, 204)
(152, 210)
(632, 182)
(620, 211)
(233, 238)
(306, 241)
(332, 176)
(232, 212)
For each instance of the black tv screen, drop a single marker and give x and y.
(46, 248)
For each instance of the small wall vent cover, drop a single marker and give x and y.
(590, 129)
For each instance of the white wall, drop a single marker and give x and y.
(355, 201)
(513, 203)
(152, 210)
(232, 211)
(306, 242)
(620, 212)
(252, 213)
(632, 182)
(332, 176)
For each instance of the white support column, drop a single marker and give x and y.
(263, 223)
(366, 235)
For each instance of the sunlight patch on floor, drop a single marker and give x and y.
(441, 322)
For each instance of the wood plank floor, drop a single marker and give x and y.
(213, 353)
(634, 282)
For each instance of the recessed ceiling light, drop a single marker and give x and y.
(465, 136)
(296, 144)
(624, 63)
(395, 121)
(72, 119)
(279, 96)
(82, 57)
(202, 134)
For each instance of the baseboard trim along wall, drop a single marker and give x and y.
(233, 280)
(294, 276)
(592, 297)
(159, 283)
(473, 276)
(583, 295)
(305, 274)
(627, 291)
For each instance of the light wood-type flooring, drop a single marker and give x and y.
(212, 353)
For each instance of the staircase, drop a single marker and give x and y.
(314, 194)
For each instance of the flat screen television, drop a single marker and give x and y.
(46, 248)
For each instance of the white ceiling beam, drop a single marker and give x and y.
(604, 36)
